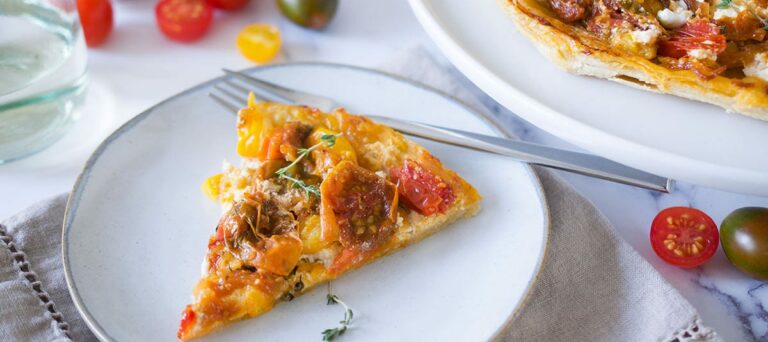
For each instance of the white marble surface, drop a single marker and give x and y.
(138, 68)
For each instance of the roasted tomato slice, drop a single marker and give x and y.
(187, 319)
(359, 208)
(282, 142)
(684, 237)
(421, 189)
(695, 35)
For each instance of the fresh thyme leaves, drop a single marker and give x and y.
(328, 140)
(331, 334)
(724, 4)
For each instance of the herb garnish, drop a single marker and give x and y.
(331, 334)
(328, 140)
(724, 4)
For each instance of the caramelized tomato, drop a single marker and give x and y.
(279, 254)
(282, 142)
(695, 35)
(421, 189)
(187, 319)
(744, 27)
(359, 207)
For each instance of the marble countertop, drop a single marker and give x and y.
(138, 67)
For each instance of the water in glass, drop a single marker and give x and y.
(42, 74)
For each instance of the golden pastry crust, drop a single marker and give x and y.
(235, 288)
(577, 51)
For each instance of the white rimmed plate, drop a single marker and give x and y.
(663, 134)
(137, 225)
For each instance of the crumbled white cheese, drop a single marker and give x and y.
(758, 67)
(645, 36)
(325, 256)
(730, 11)
(702, 54)
(204, 267)
(381, 174)
(674, 19)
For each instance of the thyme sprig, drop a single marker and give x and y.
(724, 4)
(331, 334)
(326, 139)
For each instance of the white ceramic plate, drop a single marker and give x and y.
(137, 225)
(670, 136)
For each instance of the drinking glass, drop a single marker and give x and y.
(42, 74)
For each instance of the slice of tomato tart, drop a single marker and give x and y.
(317, 195)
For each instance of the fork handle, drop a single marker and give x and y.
(581, 163)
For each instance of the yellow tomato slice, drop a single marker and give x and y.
(259, 42)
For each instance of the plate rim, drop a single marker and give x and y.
(578, 132)
(73, 198)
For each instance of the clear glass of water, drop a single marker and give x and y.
(42, 74)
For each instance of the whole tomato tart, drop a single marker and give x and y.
(317, 195)
(713, 51)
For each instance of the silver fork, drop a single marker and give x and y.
(581, 163)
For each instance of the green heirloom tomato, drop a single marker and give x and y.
(744, 236)
(314, 14)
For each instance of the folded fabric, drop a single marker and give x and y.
(593, 286)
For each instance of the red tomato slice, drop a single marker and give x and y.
(187, 319)
(421, 189)
(228, 5)
(183, 20)
(699, 34)
(96, 18)
(684, 237)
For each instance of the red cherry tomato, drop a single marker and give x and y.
(184, 20)
(684, 237)
(96, 19)
(422, 190)
(228, 5)
(694, 35)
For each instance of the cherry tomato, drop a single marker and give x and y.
(183, 20)
(422, 190)
(228, 5)
(313, 14)
(96, 19)
(259, 42)
(684, 237)
(745, 240)
(694, 35)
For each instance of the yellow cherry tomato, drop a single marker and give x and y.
(212, 186)
(259, 42)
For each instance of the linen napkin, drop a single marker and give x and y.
(593, 286)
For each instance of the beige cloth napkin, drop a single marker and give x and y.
(593, 286)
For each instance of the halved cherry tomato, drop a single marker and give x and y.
(684, 237)
(259, 42)
(96, 18)
(228, 5)
(184, 20)
(421, 189)
(699, 34)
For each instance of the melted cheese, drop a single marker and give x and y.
(758, 67)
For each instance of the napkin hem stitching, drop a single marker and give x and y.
(30, 278)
